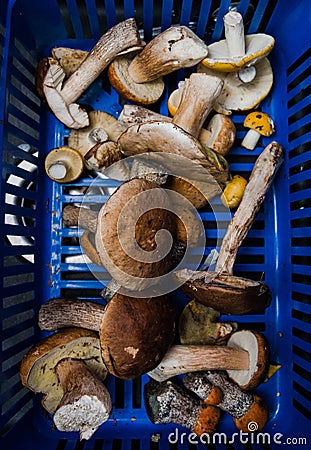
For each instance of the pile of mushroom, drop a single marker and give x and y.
(137, 331)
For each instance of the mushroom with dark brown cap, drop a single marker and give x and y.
(198, 324)
(245, 358)
(86, 403)
(244, 407)
(120, 79)
(135, 333)
(175, 48)
(169, 403)
(220, 289)
(64, 164)
(61, 94)
(259, 124)
(37, 369)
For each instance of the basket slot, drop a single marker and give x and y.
(17, 105)
(203, 18)
(14, 419)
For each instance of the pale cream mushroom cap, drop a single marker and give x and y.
(239, 96)
(257, 46)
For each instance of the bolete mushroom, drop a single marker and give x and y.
(64, 164)
(175, 48)
(61, 95)
(141, 93)
(69, 58)
(238, 51)
(169, 403)
(87, 242)
(135, 333)
(102, 156)
(239, 96)
(199, 325)
(86, 403)
(37, 369)
(220, 289)
(234, 191)
(245, 358)
(244, 407)
(259, 124)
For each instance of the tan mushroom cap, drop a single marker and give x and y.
(141, 93)
(37, 369)
(136, 333)
(69, 58)
(257, 46)
(127, 226)
(258, 348)
(64, 164)
(260, 122)
(219, 134)
(101, 123)
(239, 96)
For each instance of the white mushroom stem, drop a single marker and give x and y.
(234, 33)
(192, 358)
(198, 97)
(99, 135)
(250, 139)
(58, 170)
(86, 403)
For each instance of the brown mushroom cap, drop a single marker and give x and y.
(87, 242)
(37, 368)
(127, 228)
(136, 333)
(257, 414)
(258, 348)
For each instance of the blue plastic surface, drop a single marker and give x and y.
(277, 246)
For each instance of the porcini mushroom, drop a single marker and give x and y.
(220, 289)
(37, 369)
(175, 48)
(169, 403)
(102, 127)
(69, 58)
(238, 51)
(259, 124)
(86, 403)
(135, 333)
(199, 324)
(245, 358)
(233, 192)
(244, 407)
(219, 134)
(64, 164)
(141, 93)
(239, 96)
(102, 156)
(61, 94)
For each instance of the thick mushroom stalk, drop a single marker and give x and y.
(219, 289)
(169, 403)
(244, 407)
(246, 358)
(61, 96)
(134, 333)
(86, 403)
(171, 50)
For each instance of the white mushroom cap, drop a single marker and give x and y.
(257, 46)
(239, 96)
(257, 347)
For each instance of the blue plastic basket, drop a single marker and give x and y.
(38, 255)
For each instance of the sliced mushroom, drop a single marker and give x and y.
(141, 93)
(245, 358)
(238, 96)
(168, 403)
(61, 96)
(237, 51)
(244, 407)
(86, 403)
(64, 164)
(135, 333)
(259, 124)
(37, 369)
(199, 325)
(103, 127)
(170, 50)
(220, 289)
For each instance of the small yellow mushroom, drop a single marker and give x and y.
(233, 192)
